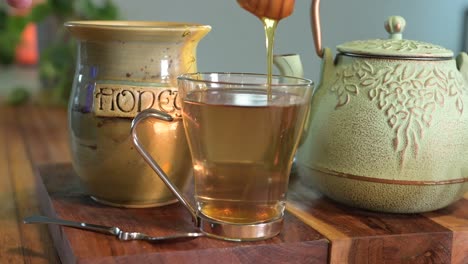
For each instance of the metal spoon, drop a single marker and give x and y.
(120, 234)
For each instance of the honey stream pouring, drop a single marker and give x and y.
(270, 13)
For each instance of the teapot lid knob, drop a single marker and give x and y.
(395, 26)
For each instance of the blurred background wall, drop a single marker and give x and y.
(236, 42)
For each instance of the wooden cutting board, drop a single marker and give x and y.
(62, 196)
(340, 234)
(360, 236)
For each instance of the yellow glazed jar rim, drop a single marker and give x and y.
(134, 30)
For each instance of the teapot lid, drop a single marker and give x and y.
(395, 46)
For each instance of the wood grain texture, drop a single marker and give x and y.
(45, 132)
(359, 236)
(10, 238)
(63, 197)
(35, 242)
(455, 218)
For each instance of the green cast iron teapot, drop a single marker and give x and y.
(388, 126)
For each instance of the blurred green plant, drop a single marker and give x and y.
(57, 61)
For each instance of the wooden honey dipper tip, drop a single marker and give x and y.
(273, 9)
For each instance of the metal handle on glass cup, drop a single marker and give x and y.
(152, 113)
(315, 23)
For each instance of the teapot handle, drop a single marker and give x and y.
(315, 23)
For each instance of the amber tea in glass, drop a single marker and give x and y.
(242, 142)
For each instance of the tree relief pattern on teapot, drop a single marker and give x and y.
(408, 96)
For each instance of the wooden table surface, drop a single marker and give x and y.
(29, 136)
(32, 136)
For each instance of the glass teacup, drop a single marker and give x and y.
(242, 135)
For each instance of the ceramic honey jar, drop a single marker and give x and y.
(123, 68)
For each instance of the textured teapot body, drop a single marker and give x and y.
(388, 134)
